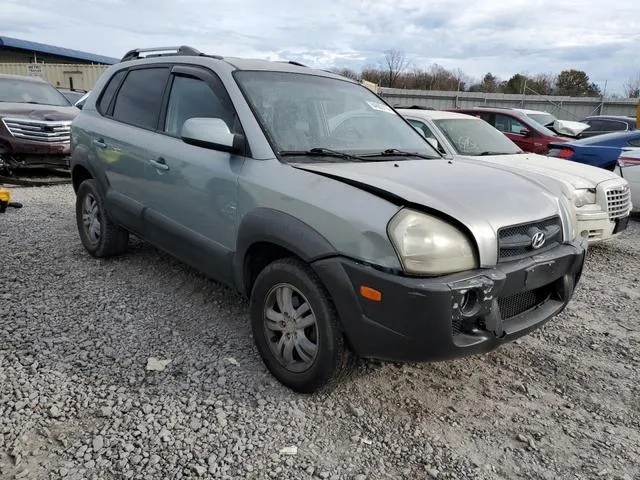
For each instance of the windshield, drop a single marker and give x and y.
(24, 91)
(542, 118)
(475, 137)
(301, 112)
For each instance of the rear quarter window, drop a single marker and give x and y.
(109, 91)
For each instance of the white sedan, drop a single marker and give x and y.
(629, 169)
(601, 198)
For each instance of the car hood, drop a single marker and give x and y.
(573, 174)
(568, 127)
(481, 197)
(38, 112)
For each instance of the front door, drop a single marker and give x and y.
(191, 190)
(516, 131)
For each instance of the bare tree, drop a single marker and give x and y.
(395, 62)
(632, 87)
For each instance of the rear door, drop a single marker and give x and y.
(191, 191)
(124, 145)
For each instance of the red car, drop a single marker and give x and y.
(525, 132)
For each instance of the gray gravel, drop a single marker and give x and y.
(77, 399)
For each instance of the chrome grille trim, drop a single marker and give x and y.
(58, 131)
(618, 202)
(514, 241)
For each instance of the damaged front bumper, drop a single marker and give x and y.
(430, 319)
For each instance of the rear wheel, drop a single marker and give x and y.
(296, 328)
(99, 235)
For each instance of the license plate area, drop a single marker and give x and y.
(543, 274)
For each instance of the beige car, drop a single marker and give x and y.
(601, 199)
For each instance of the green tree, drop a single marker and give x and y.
(516, 84)
(490, 83)
(576, 83)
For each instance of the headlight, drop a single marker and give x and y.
(428, 245)
(584, 196)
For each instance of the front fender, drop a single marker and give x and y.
(273, 226)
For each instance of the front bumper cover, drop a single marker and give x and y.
(431, 319)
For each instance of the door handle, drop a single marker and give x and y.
(100, 143)
(160, 164)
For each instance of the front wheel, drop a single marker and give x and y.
(296, 328)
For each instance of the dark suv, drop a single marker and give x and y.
(600, 124)
(525, 132)
(35, 123)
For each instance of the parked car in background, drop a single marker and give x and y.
(561, 127)
(629, 168)
(72, 94)
(600, 124)
(600, 198)
(346, 236)
(600, 151)
(35, 123)
(523, 130)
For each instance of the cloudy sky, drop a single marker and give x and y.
(503, 37)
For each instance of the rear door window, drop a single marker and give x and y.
(139, 99)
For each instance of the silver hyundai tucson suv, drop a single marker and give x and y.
(303, 190)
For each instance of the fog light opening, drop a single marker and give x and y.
(469, 303)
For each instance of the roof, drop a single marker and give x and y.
(611, 117)
(506, 111)
(52, 50)
(236, 63)
(527, 110)
(433, 114)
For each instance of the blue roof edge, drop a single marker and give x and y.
(53, 50)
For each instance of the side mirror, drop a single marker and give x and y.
(212, 133)
(526, 132)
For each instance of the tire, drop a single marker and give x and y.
(101, 239)
(332, 358)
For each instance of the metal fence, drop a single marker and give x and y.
(565, 108)
(80, 76)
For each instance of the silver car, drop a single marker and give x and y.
(349, 235)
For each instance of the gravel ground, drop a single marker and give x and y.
(77, 400)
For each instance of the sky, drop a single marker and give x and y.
(501, 37)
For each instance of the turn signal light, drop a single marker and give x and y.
(371, 293)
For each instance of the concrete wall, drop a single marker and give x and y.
(565, 108)
(83, 76)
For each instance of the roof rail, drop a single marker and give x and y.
(181, 50)
(293, 62)
(413, 107)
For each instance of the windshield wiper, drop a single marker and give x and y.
(321, 152)
(394, 152)
(484, 154)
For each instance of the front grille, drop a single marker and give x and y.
(516, 241)
(39, 130)
(521, 302)
(618, 202)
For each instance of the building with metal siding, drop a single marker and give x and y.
(14, 50)
(62, 67)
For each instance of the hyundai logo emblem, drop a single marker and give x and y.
(537, 240)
